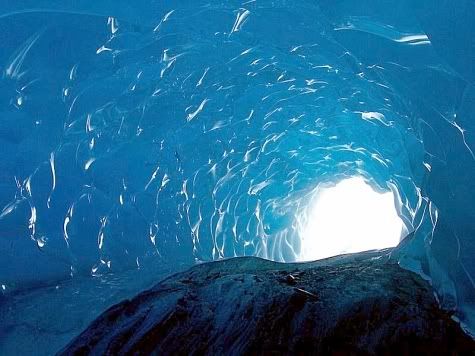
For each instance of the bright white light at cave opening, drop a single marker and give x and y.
(349, 217)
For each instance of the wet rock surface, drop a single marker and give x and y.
(355, 304)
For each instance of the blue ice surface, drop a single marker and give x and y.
(165, 133)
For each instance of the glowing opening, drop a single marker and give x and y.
(349, 217)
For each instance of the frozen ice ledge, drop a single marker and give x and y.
(361, 303)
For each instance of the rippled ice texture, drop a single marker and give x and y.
(174, 132)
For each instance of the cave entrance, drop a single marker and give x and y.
(349, 217)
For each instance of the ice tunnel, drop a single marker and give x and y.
(170, 133)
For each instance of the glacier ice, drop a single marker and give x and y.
(177, 132)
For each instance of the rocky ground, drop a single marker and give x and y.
(355, 304)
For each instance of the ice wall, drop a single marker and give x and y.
(174, 132)
(435, 72)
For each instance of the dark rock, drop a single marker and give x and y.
(289, 279)
(354, 305)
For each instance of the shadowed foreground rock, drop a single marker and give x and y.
(355, 304)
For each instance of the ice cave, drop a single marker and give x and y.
(240, 176)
